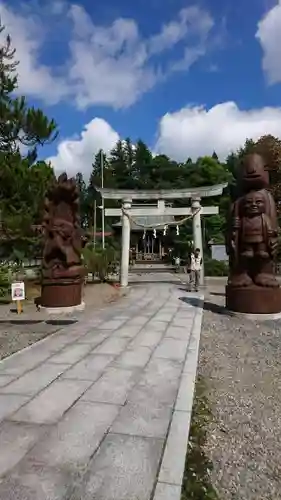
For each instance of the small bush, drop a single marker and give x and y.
(4, 282)
(214, 267)
(98, 261)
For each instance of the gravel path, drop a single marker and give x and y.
(241, 362)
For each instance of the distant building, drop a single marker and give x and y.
(152, 243)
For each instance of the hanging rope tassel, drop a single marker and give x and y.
(154, 233)
(178, 230)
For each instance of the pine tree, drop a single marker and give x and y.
(143, 166)
(23, 182)
(18, 123)
(120, 168)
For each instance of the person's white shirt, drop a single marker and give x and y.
(196, 262)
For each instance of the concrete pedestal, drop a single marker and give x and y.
(253, 299)
(64, 310)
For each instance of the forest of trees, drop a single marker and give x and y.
(24, 179)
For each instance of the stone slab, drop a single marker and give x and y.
(159, 383)
(172, 467)
(125, 469)
(156, 326)
(178, 332)
(185, 394)
(111, 325)
(164, 316)
(93, 337)
(23, 361)
(128, 331)
(178, 321)
(136, 357)
(89, 368)
(29, 481)
(35, 380)
(147, 338)
(50, 405)
(138, 320)
(171, 349)
(113, 387)
(9, 403)
(15, 441)
(6, 379)
(143, 419)
(112, 345)
(76, 437)
(71, 354)
(167, 492)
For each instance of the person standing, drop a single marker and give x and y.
(195, 268)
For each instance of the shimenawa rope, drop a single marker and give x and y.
(161, 224)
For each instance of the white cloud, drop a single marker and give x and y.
(196, 131)
(108, 65)
(28, 36)
(77, 154)
(269, 36)
(190, 132)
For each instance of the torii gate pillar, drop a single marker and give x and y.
(197, 231)
(125, 252)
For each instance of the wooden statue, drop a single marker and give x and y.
(252, 240)
(62, 269)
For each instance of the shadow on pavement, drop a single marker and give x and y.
(55, 322)
(206, 305)
(61, 321)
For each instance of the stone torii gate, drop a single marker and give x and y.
(127, 196)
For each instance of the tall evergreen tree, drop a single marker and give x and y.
(143, 166)
(23, 182)
(19, 124)
(121, 170)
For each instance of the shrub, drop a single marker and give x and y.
(4, 282)
(98, 261)
(214, 267)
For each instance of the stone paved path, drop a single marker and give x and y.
(101, 409)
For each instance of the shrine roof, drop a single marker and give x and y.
(162, 194)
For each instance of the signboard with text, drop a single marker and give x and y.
(219, 253)
(18, 291)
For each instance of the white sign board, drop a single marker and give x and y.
(18, 291)
(219, 252)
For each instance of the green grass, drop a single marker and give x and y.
(197, 483)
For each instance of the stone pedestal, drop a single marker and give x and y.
(253, 299)
(64, 293)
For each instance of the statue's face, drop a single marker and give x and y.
(254, 204)
(62, 227)
(253, 170)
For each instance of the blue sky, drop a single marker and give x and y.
(186, 77)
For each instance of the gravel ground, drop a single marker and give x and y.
(241, 362)
(17, 332)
